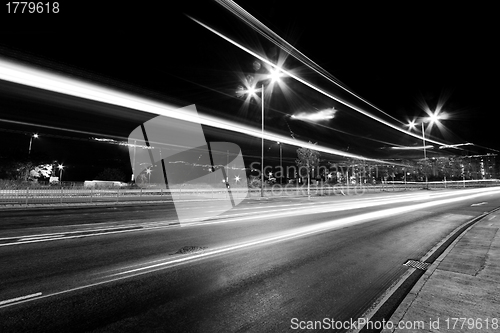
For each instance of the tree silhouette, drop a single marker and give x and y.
(307, 159)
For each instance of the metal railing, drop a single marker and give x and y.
(82, 195)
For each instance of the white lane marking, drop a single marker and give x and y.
(17, 299)
(491, 217)
(479, 204)
(38, 237)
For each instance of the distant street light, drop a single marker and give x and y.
(433, 118)
(281, 154)
(61, 168)
(252, 91)
(31, 141)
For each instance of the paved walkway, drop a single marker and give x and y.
(460, 291)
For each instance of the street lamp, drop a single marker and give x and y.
(281, 154)
(61, 168)
(274, 76)
(433, 118)
(31, 141)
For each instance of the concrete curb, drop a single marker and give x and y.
(412, 295)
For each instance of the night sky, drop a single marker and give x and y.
(398, 59)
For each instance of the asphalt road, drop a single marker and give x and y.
(254, 268)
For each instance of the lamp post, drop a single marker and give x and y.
(133, 161)
(281, 166)
(61, 168)
(274, 76)
(31, 142)
(433, 118)
(262, 149)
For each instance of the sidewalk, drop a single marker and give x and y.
(460, 291)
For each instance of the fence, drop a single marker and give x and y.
(73, 195)
(82, 195)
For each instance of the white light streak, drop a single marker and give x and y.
(285, 46)
(34, 77)
(121, 143)
(316, 116)
(412, 148)
(456, 145)
(294, 233)
(17, 299)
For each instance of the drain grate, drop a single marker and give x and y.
(417, 264)
(190, 249)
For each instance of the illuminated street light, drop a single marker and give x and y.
(31, 141)
(281, 159)
(412, 124)
(433, 118)
(61, 168)
(275, 75)
(252, 91)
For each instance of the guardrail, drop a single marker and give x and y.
(33, 196)
(81, 195)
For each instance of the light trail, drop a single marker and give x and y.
(270, 35)
(53, 127)
(17, 73)
(412, 148)
(456, 145)
(160, 264)
(104, 140)
(288, 73)
(288, 115)
(317, 116)
(237, 216)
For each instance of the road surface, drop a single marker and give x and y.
(267, 265)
